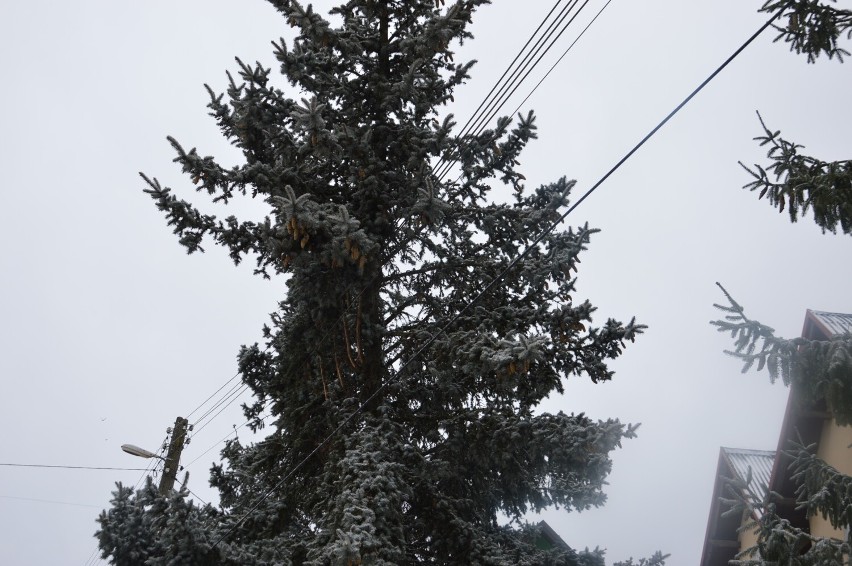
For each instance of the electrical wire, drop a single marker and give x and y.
(233, 388)
(236, 428)
(92, 557)
(236, 375)
(184, 486)
(552, 67)
(465, 128)
(239, 393)
(508, 90)
(72, 467)
(564, 53)
(500, 276)
(219, 403)
(511, 87)
(307, 357)
(49, 501)
(152, 464)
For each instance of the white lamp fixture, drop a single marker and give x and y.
(136, 451)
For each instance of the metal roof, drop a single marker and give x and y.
(759, 461)
(834, 322)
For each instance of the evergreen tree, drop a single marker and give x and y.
(403, 420)
(819, 370)
(793, 180)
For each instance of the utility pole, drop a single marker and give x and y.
(172, 461)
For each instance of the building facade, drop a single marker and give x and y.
(769, 471)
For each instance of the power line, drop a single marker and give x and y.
(236, 375)
(236, 428)
(564, 53)
(153, 463)
(50, 501)
(184, 486)
(501, 275)
(221, 400)
(93, 557)
(510, 87)
(239, 393)
(236, 386)
(552, 67)
(72, 467)
(464, 129)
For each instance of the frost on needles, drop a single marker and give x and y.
(403, 425)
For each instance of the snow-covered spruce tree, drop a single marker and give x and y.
(428, 407)
(795, 180)
(819, 370)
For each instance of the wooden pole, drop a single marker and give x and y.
(170, 469)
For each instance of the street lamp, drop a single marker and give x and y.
(172, 459)
(141, 452)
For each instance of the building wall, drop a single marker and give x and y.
(747, 537)
(834, 449)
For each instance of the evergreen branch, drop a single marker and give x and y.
(658, 559)
(820, 369)
(821, 489)
(814, 27)
(801, 182)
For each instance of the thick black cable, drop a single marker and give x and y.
(464, 128)
(499, 277)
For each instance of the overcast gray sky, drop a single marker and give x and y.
(108, 331)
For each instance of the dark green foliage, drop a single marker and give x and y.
(801, 182)
(402, 421)
(821, 490)
(658, 559)
(813, 27)
(819, 369)
(144, 528)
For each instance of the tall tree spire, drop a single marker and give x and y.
(403, 422)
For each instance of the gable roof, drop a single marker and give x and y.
(721, 543)
(754, 463)
(822, 325)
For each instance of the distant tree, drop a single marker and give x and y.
(658, 559)
(793, 180)
(819, 370)
(404, 420)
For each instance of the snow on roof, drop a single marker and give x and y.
(759, 461)
(834, 322)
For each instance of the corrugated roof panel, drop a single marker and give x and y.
(835, 322)
(760, 462)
